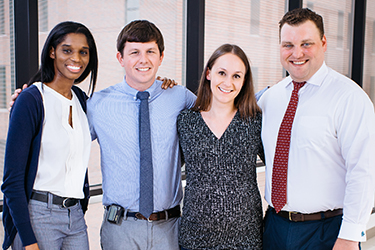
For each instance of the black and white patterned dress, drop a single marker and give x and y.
(222, 204)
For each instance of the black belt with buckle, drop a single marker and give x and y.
(163, 215)
(299, 217)
(57, 200)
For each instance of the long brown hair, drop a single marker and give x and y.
(245, 101)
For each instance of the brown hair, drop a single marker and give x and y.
(298, 16)
(245, 101)
(140, 31)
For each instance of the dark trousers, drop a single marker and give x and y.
(282, 234)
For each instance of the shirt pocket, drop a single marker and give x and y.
(313, 131)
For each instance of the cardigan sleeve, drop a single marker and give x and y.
(21, 158)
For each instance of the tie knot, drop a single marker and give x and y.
(298, 85)
(143, 95)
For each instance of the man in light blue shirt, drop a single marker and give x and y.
(113, 117)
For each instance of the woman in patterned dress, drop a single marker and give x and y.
(220, 140)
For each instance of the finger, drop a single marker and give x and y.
(173, 83)
(158, 78)
(14, 96)
(24, 86)
(10, 105)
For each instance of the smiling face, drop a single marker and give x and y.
(227, 77)
(141, 62)
(302, 50)
(70, 57)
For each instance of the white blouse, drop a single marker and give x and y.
(65, 149)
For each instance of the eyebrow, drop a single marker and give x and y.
(239, 71)
(303, 41)
(68, 45)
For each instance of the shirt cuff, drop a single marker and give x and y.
(354, 232)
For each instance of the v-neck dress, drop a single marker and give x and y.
(222, 204)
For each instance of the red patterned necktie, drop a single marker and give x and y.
(280, 163)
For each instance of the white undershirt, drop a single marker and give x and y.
(65, 150)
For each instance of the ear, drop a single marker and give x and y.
(120, 59)
(161, 58)
(324, 43)
(208, 74)
(52, 53)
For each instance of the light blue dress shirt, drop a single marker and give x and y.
(113, 118)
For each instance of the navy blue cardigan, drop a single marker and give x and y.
(21, 163)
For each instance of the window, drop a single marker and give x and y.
(255, 16)
(340, 29)
(43, 15)
(254, 71)
(372, 89)
(2, 18)
(349, 31)
(132, 10)
(3, 88)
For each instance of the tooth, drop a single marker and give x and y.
(299, 63)
(143, 69)
(226, 91)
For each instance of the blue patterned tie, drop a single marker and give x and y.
(146, 194)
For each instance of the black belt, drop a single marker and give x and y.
(163, 215)
(299, 217)
(57, 200)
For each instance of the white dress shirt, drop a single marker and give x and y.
(65, 150)
(332, 149)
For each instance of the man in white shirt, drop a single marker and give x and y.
(330, 167)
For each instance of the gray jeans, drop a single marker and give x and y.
(136, 234)
(56, 228)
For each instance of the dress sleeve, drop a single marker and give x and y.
(258, 132)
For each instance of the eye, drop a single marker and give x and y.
(287, 46)
(306, 44)
(222, 73)
(67, 51)
(236, 76)
(134, 53)
(151, 51)
(84, 52)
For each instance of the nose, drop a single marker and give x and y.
(75, 57)
(143, 57)
(297, 52)
(228, 81)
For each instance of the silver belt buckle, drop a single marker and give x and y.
(63, 203)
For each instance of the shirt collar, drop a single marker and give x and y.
(154, 90)
(317, 79)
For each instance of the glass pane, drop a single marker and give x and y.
(252, 25)
(369, 55)
(337, 18)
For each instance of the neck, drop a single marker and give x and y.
(140, 86)
(222, 110)
(62, 87)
